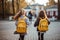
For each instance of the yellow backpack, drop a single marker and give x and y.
(43, 25)
(21, 26)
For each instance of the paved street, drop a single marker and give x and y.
(7, 29)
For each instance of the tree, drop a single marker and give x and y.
(3, 9)
(58, 9)
(51, 2)
(13, 6)
(33, 0)
(17, 5)
(23, 4)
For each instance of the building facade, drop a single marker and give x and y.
(52, 12)
(37, 7)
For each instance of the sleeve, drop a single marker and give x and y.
(48, 21)
(16, 22)
(27, 21)
(36, 23)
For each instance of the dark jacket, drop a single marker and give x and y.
(37, 23)
(30, 15)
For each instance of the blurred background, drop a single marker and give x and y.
(8, 8)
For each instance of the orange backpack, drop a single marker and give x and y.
(43, 25)
(21, 26)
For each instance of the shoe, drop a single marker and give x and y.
(15, 32)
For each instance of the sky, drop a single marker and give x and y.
(43, 2)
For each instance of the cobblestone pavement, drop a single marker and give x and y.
(7, 29)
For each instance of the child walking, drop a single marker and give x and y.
(42, 15)
(22, 22)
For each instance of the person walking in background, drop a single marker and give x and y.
(42, 16)
(30, 15)
(21, 23)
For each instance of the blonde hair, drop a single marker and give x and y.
(23, 11)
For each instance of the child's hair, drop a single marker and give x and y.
(41, 14)
(21, 13)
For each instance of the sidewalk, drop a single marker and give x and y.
(7, 29)
(55, 21)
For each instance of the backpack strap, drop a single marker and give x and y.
(24, 17)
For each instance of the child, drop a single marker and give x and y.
(42, 15)
(21, 14)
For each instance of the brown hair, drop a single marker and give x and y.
(41, 14)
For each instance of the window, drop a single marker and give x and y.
(54, 13)
(49, 13)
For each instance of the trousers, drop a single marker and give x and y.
(40, 36)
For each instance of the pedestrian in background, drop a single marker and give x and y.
(41, 15)
(30, 15)
(21, 23)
